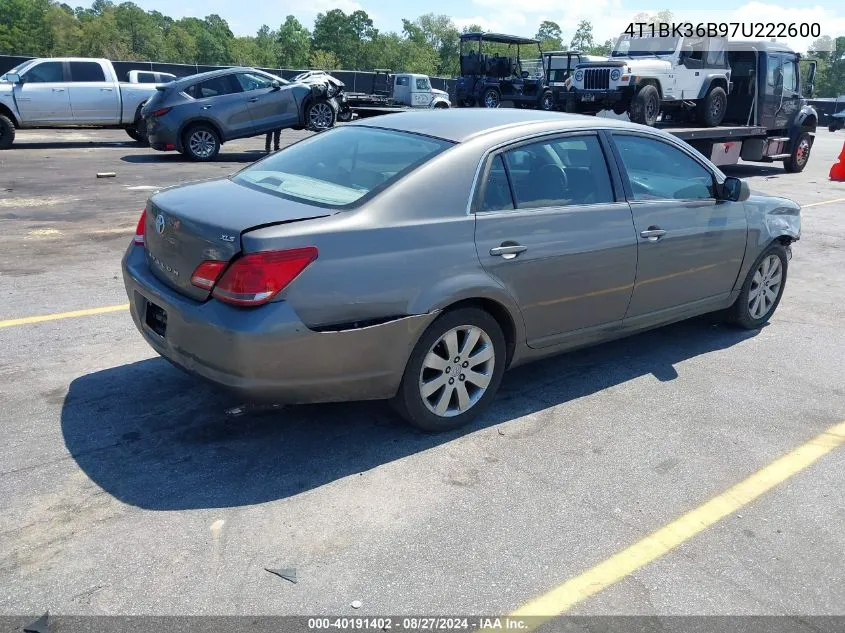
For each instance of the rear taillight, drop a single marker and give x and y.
(161, 112)
(258, 277)
(140, 229)
(206, 274)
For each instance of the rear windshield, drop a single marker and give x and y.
(340, 167)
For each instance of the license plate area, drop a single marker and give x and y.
(156, 318)
(588, 97)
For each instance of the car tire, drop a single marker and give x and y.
(645, 106)
(771, 265)
(800, 154)
(427, 365)
(831, 128)
(7, 132)
(547, 101)
(711, 110)
(491, 98)
(201, 142)
(320, 115)
(138, 132)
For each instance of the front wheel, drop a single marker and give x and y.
(7, 132)
(547, 101)
(762, 290)
(646, 106)
(320, 116)
(491, 98)
(799, 156)
(454, 371)
(201, 143)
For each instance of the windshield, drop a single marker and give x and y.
(340, 167)
(17, 69)
(627, 46)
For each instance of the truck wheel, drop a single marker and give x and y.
(712, 109)
(320, 116)
(491, 98)
(797, 160)
(201, 142)
(138, 132)
(547, 101)
(7, 132)
(646, 106)
(831, 127)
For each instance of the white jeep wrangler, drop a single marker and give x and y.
(645, 76)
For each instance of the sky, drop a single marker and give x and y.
(519, 17)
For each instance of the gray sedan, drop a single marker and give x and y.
(417, 256)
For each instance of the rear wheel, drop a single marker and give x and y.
(201, 143)
(547, 101)
(762, 290)
(7, 132)
(321, 116)
(797, 160)
(646, 106)
(712, 108)
(454, 371)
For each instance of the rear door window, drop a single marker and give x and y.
(561, 172)
(86, 71)
(215, 87)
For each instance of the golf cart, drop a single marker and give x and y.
(493, 70)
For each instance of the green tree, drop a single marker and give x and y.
(143, 36)
(24, 28)
(439, 33)
(294, 44)
(333, 33)
(65, 31)
(324, 60)
(549, 35)
(583, 38)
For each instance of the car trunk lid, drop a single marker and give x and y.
(190, 224)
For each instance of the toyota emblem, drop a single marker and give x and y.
(160, 223)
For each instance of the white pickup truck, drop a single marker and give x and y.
(69, 92)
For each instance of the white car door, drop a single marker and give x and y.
(93, 99)
(42, 95)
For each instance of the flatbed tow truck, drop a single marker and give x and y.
(396, 93)
(766, 118)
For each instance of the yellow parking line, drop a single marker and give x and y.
(564, 596)
(818, 204)
(63, 315)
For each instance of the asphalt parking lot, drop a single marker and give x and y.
(125, 488)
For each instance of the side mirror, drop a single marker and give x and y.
(15, 78)
(525, 74)
(277, 85)
(735, 190)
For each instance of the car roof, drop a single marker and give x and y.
(461, 124)
(211, 74)
(760, 45)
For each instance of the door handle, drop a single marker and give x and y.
(58, 89)
(508, 252)
(253, 100)
(652, 234)
(105, 89)
(205, 107)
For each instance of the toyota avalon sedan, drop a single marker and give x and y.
(416, 256)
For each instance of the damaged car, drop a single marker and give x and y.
(197, 114)
(328, 271)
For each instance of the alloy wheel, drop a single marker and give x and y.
(803, 152)
(202, 143)
(457, 371)
(491, 99)
(320, 116)
(765, 287)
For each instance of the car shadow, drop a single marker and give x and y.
(249, 156)
(156, 438)
(75, 144)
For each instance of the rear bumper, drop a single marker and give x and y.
(162, 137)
(267, 354)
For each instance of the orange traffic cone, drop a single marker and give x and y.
(837, 172)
